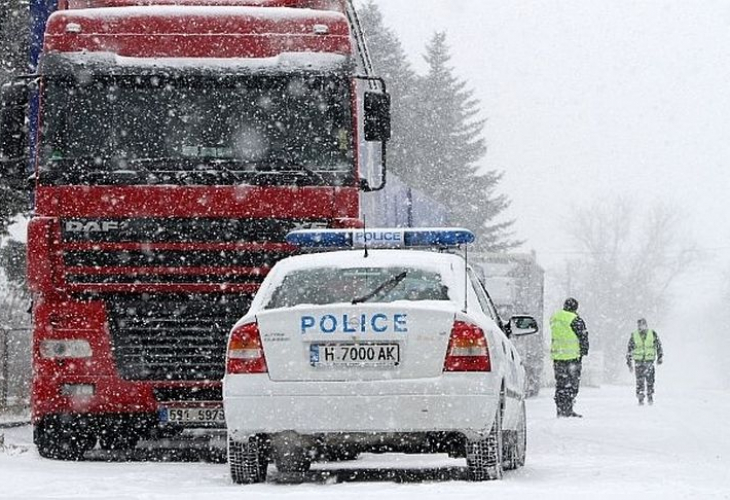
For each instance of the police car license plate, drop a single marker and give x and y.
(192, 416)
(366, 355)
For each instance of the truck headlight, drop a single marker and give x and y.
(65, 349)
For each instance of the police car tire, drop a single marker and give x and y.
(515, 443)
(521, 441)
(509, 450)
(247, 461)
(484, 458)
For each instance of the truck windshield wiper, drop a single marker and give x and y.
(220, 167)
(217, 166)
(282, 167)
(385, 287)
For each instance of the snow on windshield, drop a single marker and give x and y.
(327, 285)
(298, 280)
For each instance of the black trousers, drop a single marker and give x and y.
(567, 383)
(644, 379)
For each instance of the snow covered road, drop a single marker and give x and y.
(679, 448)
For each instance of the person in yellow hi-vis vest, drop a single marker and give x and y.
(644, 348)
(569, 344)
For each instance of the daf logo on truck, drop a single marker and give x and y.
(75, 226)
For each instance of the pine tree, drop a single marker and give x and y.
(449, 148)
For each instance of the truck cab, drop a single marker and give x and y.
(174, 144)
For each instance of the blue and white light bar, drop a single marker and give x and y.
(380, 238)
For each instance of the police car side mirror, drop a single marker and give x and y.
(522, 325)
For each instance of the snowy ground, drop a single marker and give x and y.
(679, 448)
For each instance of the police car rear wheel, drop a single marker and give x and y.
(515, 443)
(247, 460)
(521, 444)
(484, 459)
(509, 450)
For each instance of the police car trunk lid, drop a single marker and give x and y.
(398, 340)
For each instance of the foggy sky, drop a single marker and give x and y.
(592, 100)
(589, 100)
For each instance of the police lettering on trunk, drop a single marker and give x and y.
(355, 323)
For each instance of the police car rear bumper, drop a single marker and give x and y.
(458, 402)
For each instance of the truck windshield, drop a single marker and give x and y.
(161, 129)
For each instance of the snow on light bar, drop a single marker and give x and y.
(380, 238)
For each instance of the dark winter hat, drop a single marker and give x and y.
(642, 323)
(570, 304)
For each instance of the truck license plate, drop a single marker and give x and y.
(192, 416)
(364, 355)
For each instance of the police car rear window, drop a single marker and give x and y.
(334, 285)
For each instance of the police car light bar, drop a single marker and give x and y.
(380, 238)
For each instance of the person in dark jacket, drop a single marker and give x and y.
(569, 344)
(644, 348)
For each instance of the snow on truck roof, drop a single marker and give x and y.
(198, 32)
(302, 61)
(190, 13)
(318, 4)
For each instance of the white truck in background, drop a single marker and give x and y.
(515, 283)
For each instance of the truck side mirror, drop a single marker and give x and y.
(14, 98)
(377, 116)
(522, 325)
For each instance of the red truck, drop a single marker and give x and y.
(174, 144)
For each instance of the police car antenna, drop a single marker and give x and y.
(466, 275)
(364, 236)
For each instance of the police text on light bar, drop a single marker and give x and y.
(380, 238)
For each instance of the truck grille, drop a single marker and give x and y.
(180, 230)
(172, 338)
(170, 258)
(156, 279)
(169, 251)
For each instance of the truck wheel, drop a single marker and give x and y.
(247, 460)
(484, 456)
(59, 443)
(521, 438)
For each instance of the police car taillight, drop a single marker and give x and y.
(468, 350)
(245, 352)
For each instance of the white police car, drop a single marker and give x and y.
(389, 349)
